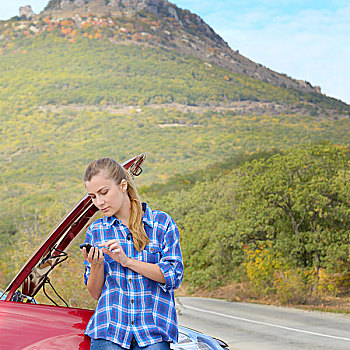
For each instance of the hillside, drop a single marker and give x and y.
(76, 86)
(158, 23)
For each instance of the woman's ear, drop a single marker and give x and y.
(124, 185)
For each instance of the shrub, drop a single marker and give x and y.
(294, 286)
(260, 265)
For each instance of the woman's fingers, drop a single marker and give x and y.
(95, 256)
(112, 252)
(117, 254)
(112, 245)
(84, 253)
(113, 249)
(109, 243)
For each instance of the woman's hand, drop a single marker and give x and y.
(96, 278)
(115, 251)
(95, 256)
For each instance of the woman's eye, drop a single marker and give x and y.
(103, 193)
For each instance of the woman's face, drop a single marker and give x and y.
(109, 197)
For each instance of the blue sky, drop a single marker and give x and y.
(305, 39)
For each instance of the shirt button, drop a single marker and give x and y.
(132, 323)
(130, 279)
(132, 301)
(152, 250)
(128, 238)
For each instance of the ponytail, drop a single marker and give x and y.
(135, 220)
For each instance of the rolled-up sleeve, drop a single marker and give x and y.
(171, 263)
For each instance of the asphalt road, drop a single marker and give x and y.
(260, 327)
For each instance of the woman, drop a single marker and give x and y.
(134, 266)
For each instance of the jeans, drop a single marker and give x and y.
(103, 344)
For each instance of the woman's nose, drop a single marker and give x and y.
(99, 201)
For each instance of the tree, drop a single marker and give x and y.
(300, 202)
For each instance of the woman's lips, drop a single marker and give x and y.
(105, 209)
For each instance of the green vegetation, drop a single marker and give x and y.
(44, 151)
(280, 223)
(95, 72)
(222, 150)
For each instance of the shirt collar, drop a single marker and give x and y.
(147, 217)
(109, 220)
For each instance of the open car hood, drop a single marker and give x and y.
(34, 272)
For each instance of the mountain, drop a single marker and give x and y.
(174, 27)
(86, 79)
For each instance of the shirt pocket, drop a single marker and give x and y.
(151, 253)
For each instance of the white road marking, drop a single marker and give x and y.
(266, 323)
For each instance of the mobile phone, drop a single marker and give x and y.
(87, 246)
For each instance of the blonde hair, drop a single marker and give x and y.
(117, 173)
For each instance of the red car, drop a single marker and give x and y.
(24, 324)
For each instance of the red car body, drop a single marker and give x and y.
(31, 326)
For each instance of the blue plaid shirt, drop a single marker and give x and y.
(131, 304)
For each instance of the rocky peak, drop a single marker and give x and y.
(106, 6)
(26, 12)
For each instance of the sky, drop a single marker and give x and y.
(305, 39)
